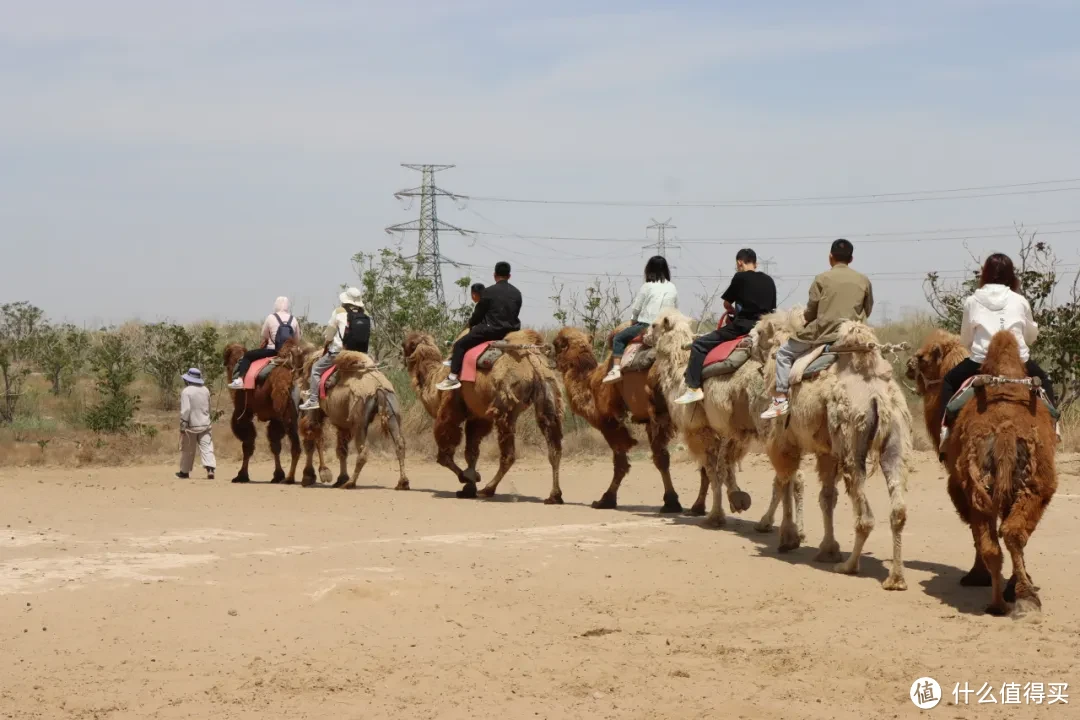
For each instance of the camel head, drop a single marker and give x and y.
(573, 350)
(669, 332)
(420, 348)
(939, 353)
(231, 356)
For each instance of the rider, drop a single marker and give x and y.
(657, 293)
(276, 330)
(498, 310)
(837, 295)
(476, 292)
(994, 306)
(349, 329)
(750, 295)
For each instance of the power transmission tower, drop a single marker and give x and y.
(767, 263)
(661, 243)
(428, 259)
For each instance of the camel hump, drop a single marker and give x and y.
(353, 362)
(1003, 356)
(525, 336)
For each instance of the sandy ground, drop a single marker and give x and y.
(130, 594)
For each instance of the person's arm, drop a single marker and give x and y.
(1031, 328)
(868, 302)
(482, 307)
(810, 314)
(967, 328)
(296, 327)
(185, 408)
(476, 317)
(639, 303)
(266, 332)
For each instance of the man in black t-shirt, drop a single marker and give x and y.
(750, 295)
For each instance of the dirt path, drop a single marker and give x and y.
(130, 594)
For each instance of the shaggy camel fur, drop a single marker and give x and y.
(607, 406)
(272, 403)
(1000, 455)
(940, 353)
(845, 415)
(518, 379)
(360, 394)
(718, 431)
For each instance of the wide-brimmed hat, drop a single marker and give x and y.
(352, 296)
(193, 376)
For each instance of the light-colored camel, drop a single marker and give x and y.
(718, 430)
(999, 456)
(607, 406)
(360, 394)
(844, 415)
(518, 379)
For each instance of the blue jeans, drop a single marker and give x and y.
(623, 338)
(317, 369)
(786, 355)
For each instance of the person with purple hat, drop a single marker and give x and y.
(195, 425)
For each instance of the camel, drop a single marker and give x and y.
(359, 394)
(518, 379)
(273, 402)
(1002, 413)
(844, 415)
(606, 407)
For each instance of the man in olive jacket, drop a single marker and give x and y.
(837, 295)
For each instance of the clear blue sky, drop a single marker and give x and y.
(196, 159)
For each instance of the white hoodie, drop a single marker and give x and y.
(991, 309)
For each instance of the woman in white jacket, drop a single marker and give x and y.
(994, 307)
(657, 293)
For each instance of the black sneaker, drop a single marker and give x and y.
(182, 475)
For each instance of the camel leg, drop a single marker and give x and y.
(1017, 528)
(978, 576)
(829, 551)
(312, 435)
(990, 549)
(275, 431)
(244, 429)
(738, 499)
(448, 433)
(785, 459)
(392, 415)
(504, 426)
(619, 440)
(855, 485)
(718, 472)
(476, 429)
(698, 508)
(660, 432)
(294, 450)
(360, 440)
(550, 423)
(324, 472)
(892, 467)
(344, 437)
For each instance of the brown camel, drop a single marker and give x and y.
(359, 393)
(518, 379)
(1006, 426)
(273, 402)
(606, 407)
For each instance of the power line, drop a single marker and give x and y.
(428, 259)
(661, 243)
(983, 191)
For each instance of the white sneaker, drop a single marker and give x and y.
(690, 396)
(776, 409)
(237, 384)
(312, 403)
(450, 383)
(614, 375)
(1057, 431)
(446, 363)
(943, 436)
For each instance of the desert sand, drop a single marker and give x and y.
(128, 593)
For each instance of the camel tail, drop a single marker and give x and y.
(1002, 466)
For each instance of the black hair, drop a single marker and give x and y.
(656, 269)
(477, 288)
(747, 255)
(842, 251)
(502, 269)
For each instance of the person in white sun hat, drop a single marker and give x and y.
(349, 329)
(195, 425)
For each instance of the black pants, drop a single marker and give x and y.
(249, 357)
(478, 334)
(968, 368)
(706, 343)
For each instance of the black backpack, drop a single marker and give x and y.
(357, 331)
(284, 332)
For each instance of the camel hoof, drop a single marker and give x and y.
(846, 568)
(325, 476)
(308, 478)
(1010, 590)
(242, 478)
(342, 479)
(1027, 608)
(976, 578)
(469, 476)
(279, 477)
(697, 510)
(467, 493)
(289, 481)
(997, 610)
(555, 499)
(488, 492)
(351, 485)
(402, 485)
(764, 526)
(894, 583)
(714, 522)
(739, 500)
(671, 503)
(607, 501)
(829, 555)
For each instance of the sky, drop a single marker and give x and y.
(194, 160)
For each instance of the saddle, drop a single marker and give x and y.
(967, 391)
(727, 357)
(480, 358)
(638, 356)
(259, 371)
(812, 363)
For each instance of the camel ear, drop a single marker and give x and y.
(936, 352)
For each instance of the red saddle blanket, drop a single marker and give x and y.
(721, 352)
(323, 380)
(468, 368)
(253, 372)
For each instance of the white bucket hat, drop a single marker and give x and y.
(193, 376)
(352, 296)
